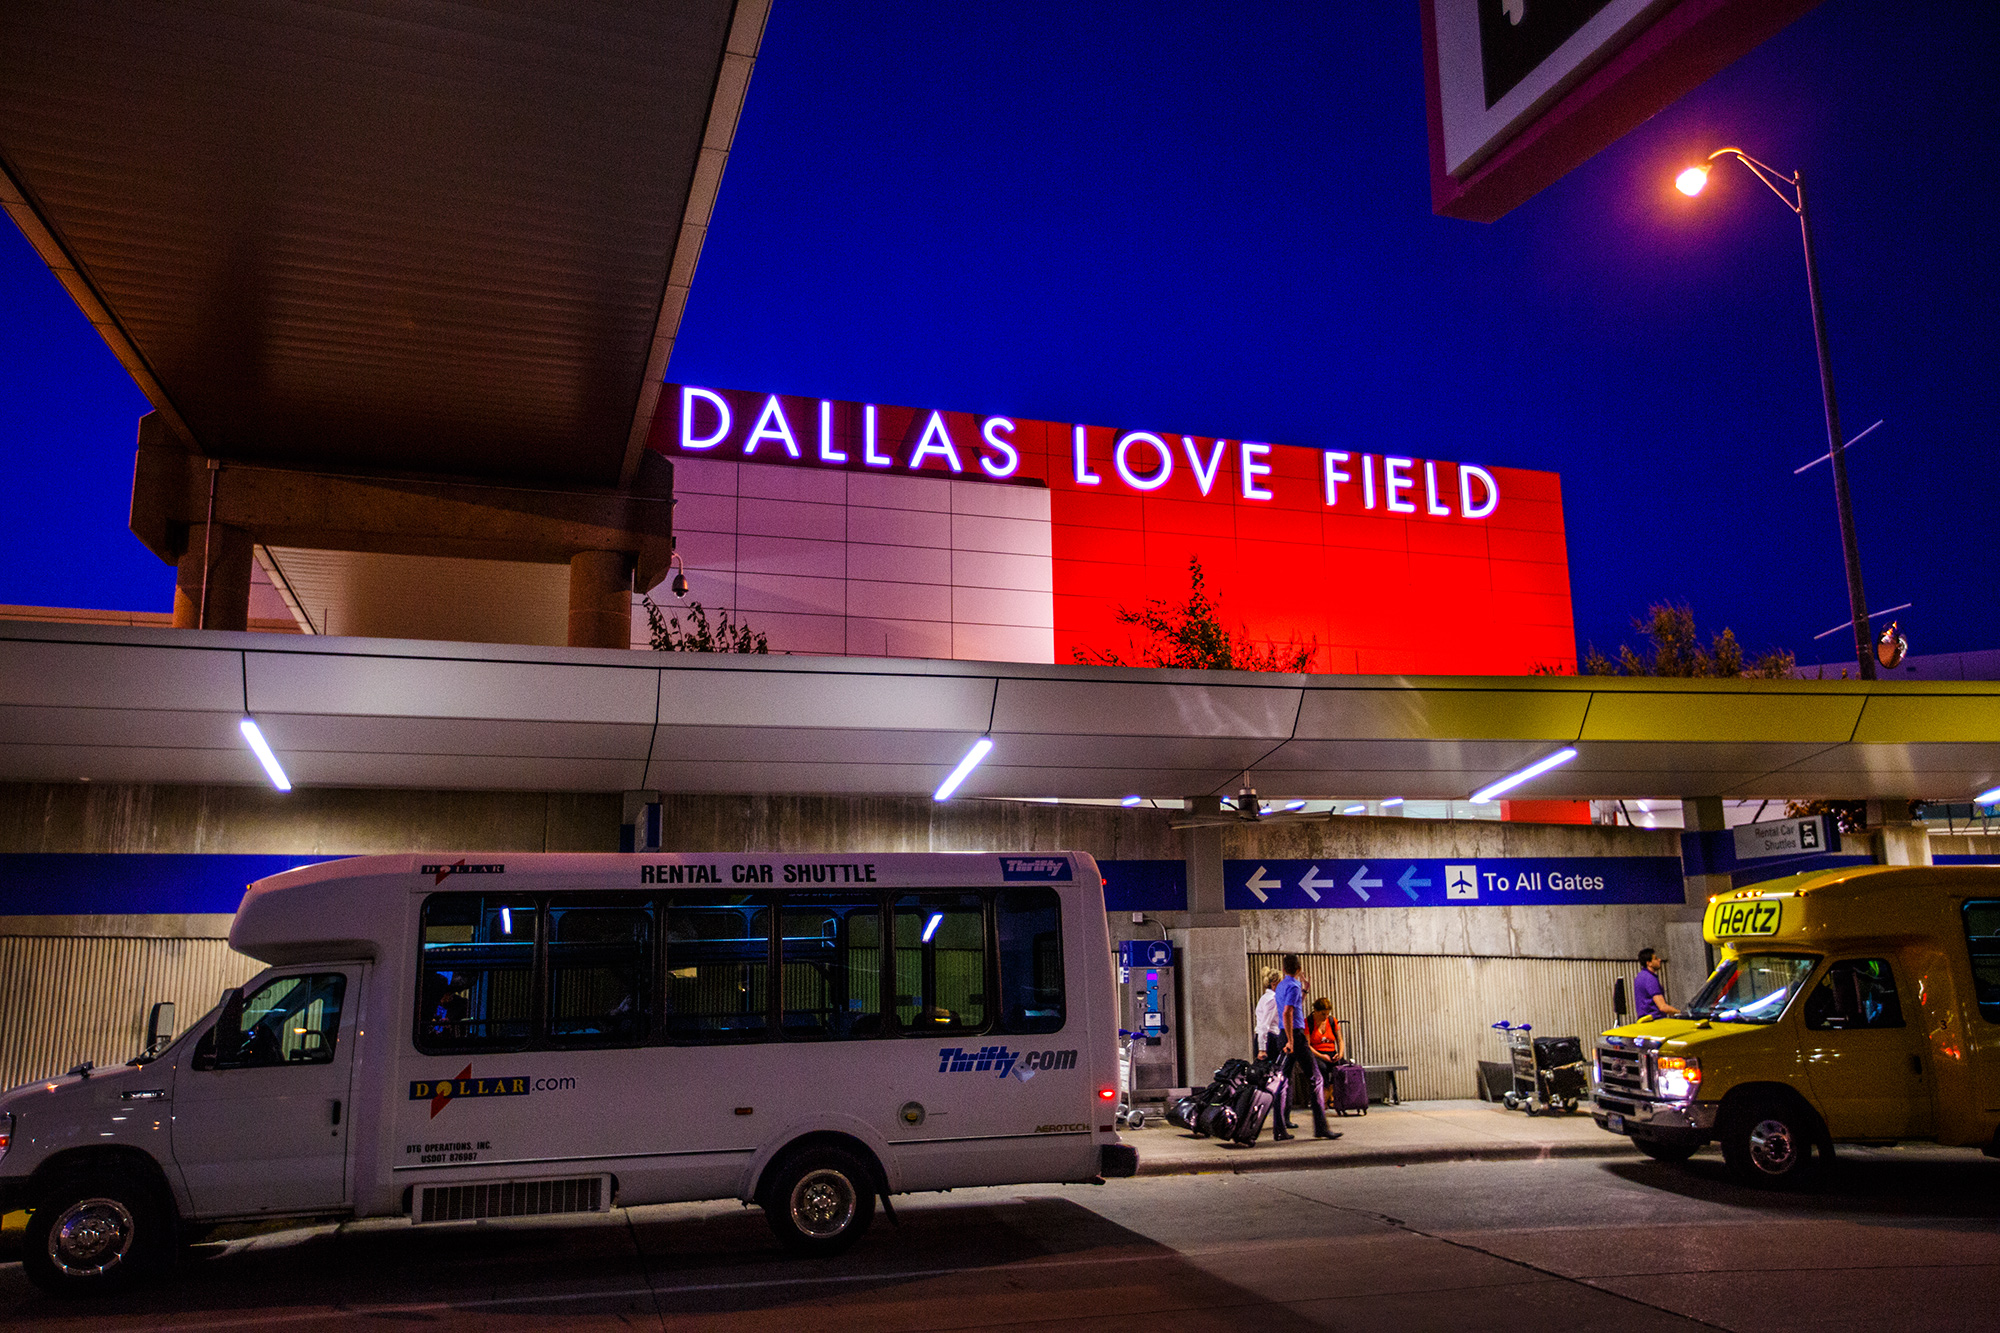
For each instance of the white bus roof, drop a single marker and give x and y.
(350, 908)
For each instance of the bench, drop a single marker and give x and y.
(1387, 1075)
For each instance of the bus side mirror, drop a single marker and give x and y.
(1618, 997)
(159, 1028)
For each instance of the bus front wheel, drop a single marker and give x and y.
(1769, 1141)
(94, 1233)
(821, 1201)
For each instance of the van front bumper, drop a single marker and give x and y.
(1644, 1118)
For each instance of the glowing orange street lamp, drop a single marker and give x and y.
(1691, 182)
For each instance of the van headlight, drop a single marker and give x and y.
(1679, 1078)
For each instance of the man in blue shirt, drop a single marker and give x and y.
(1300, 1063)
(1648, 996)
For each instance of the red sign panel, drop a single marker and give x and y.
(1386, 564)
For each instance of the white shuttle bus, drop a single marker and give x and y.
(458, 1037)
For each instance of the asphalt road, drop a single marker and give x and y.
(1894, 1240)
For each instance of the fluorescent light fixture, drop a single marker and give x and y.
(1355, 810)
(1534, 770)
(248, 726)
(1393, 800)
(1295, 805)
(1131, 800)
(965, 766)
(506, 921)
(930, 926)
(1987, 797)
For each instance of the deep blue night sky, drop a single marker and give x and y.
(1216, 220)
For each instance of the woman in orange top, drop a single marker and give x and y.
(1322, 1032)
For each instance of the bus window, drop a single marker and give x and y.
(289, 1021)
(832, 953)
(1982, 938)
(940, 963)
(600, 972)
(1854, 993)
(476, 973)
(718, 969)
(1031, 968)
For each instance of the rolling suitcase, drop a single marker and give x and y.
(1191, 1112)
(1347, 1090)
(1253, 1107)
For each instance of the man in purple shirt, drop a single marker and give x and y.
(1647, 993)
(1299, 1058)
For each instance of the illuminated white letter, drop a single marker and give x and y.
(1394, 480)
(1334, 476)
(1125, 473)
(1084, 476)
(827, 453)
(993, 467)
(771, 425)
(1466, 472)
(934, 429)
(868, 454)
(1431, 505)
(1254, 470)
(688, 396)
(1204, 476)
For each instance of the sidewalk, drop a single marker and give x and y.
(1445, 1131)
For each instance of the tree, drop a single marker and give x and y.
(1677, 650)
(724, 636)
(1190, 635)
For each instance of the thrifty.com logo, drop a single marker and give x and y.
(1001, 1062)
(1041, 869)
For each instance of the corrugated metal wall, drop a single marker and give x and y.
(69, 998)
(1435, 1014)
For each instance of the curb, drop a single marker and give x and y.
(1246, 1161)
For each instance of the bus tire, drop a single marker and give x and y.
(821, 1201)
(1768, 1141)
(95, 1233)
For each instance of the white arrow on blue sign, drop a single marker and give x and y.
(1361, 885)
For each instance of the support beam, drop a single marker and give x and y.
(600, 600)
(212, 579)
(176, 491)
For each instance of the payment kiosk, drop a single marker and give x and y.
(1147, 1011)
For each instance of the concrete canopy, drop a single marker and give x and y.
(449, 239)
(161, 706)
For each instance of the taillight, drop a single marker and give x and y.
(1107, 1093)
(6, 1130)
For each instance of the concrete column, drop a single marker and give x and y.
(1897, 841)
(1215, 1007)
(218, 556)
(1686, 951)
(600, 600)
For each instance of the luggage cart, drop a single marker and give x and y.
(1548, 1072)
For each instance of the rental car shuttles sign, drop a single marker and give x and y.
(1385, 560)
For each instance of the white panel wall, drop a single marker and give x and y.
(867, 566)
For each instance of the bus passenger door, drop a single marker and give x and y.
(1865, 1063)
(263, 1109)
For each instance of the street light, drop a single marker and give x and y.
(1691, 182)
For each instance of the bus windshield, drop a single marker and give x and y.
(1752, 989)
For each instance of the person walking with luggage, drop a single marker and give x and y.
(1271, 1043)
(1300, 1060)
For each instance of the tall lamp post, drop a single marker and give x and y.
(1691, 182)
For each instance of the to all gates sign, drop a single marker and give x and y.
(1432, 882)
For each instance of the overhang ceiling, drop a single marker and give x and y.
(411, 236)
(161, 706)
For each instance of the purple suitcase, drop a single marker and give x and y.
(1347, 1090)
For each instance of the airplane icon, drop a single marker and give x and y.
(1461, 881)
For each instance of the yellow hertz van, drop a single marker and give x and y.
(1853, 1006)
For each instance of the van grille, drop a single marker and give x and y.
(511, 1198)
(1621, 1072)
